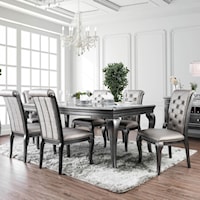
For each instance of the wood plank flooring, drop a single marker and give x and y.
(26, 181)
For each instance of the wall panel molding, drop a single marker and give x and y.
(117, 48)
(172, 38)
(158, 33)
(184, 48)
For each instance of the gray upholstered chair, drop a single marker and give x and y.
(132, 122)
(52, 131)
(18, 122)
(92, 123)
(32, 116)
(176, 130)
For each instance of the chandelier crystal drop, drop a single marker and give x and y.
(79, 37)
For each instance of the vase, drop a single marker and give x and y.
(174, 87)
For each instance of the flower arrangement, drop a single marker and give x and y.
(78, 94)
(174, 81)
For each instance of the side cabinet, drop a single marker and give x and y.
(194, 123)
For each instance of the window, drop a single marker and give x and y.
(28, 60)
(38, 61)
(8, 64)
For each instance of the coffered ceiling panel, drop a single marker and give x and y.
(102, 9)
(129, 2)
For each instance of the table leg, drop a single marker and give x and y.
(152, 119)
(112, 131)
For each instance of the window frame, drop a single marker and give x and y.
(18, 66)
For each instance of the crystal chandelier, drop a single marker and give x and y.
(79, 37)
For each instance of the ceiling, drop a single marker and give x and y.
(97, 6)
(64, 11)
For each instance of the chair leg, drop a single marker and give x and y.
(139, 146)
(170, 151)
(68, 151)
(123, 137)
(73, 125)
(54, 149)
(11, 144)
(60, 158)
(91, 147)
(41, 153)
(38, 142)
(108, 137)
(159, 147)
(149, 147)
(92, 130)
(125, 134)
(26, 141)
(187, 150)
(104, 130)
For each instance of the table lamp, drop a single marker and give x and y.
(195, 68)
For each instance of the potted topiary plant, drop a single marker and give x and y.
(116, 79)
(193, 86)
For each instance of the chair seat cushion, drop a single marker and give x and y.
(34, 129)
(70, 134)
(88, 121)
(161, 135)
(128, 124)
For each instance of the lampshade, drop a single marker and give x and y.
(195, 68)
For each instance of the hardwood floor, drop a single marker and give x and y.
(27, 181)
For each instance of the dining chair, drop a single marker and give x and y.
(131, 122)
(94, 122)
(32, 116)
(18, 122)
(51, 127)
(176, 130)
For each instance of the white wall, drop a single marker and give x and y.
(153, 50)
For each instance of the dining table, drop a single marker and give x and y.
(112, 113)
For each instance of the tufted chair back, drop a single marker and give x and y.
(179, 110)
(133, 96)
(97, 96)
(15, 111)
(48, 112)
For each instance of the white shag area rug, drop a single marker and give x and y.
(128, 174)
